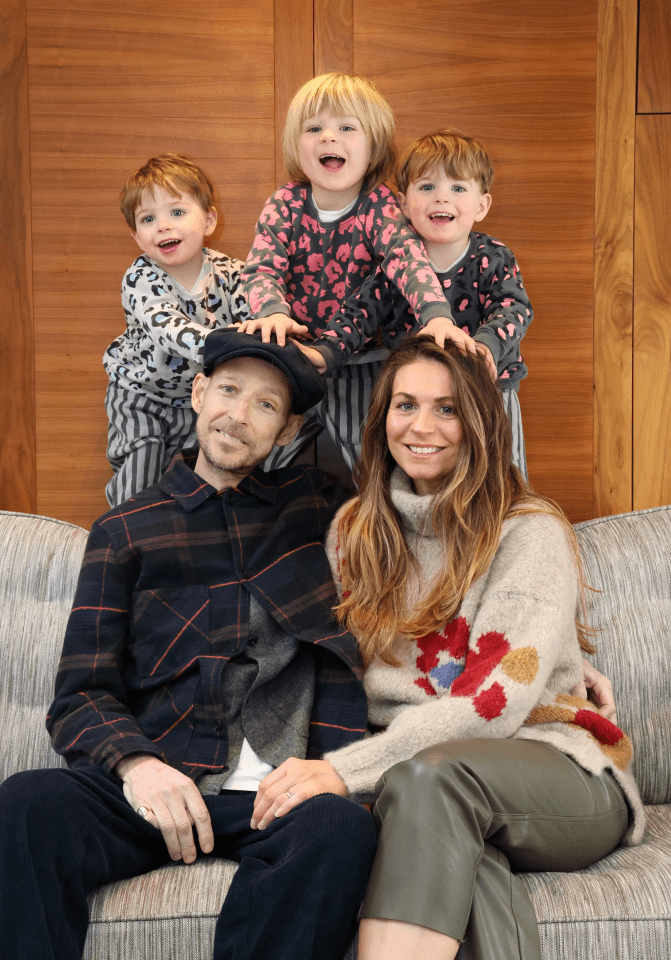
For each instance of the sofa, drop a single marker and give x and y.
(618, 908)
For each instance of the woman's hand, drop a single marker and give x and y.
(600, 690)
(290, 784)
(278, 323)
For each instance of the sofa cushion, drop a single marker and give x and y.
(40, 560)
(619, 907)
(627, 559)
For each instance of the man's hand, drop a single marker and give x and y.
(174, 803)
(442, 329)
(485, 352)
(277, 323)
(314, 356)
(600, 691)
(290, 784)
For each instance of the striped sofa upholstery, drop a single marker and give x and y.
(621, 907)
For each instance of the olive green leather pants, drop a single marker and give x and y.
(458, 818)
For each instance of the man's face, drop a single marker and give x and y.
(244, 409)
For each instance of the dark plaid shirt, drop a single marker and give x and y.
(162, 605)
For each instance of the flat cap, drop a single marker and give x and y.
(307, 386)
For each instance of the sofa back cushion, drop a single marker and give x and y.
(39, 563)
(628, 559)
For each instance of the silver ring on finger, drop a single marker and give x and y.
(289, 794)
(143, 812)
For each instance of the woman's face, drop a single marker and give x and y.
(423, 430)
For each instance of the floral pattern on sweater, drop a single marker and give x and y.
(503, 667)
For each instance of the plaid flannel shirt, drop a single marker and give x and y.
(162, 605)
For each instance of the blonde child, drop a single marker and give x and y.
(172, 296)
(443, 183)
(322, 234)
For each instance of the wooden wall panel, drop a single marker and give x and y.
(528, 89)
(652, 314)
(333, 36)
(111, 85)
(614, 257)
(294, 64)
(654, 56)
(17, 429)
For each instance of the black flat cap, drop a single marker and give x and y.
(307, 386)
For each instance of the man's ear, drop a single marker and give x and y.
(198, 391)
(290, 429)
(483, 206)
(210, 221)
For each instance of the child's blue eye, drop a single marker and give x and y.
(147, 219)
(347, 127)
(457, 187)
(178, 213)
(313, 129)
(426, 187)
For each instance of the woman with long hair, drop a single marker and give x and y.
(462, 587)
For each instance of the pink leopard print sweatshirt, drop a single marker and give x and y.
(503, 667)
(304, 268)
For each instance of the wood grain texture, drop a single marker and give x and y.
(111, 85)
(614, 257)
(528, 89)
(17, 430)
(652, 314)
(654, 56)
(333, 36)
(294, 64)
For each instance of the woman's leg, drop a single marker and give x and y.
(455, 818)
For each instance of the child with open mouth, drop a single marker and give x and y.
(322, 234)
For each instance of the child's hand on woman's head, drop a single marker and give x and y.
(442, 329)
(278, 323)
(485, 352)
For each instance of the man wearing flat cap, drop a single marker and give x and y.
(201, 660)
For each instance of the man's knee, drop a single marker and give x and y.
(337, 823)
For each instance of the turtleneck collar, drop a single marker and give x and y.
(415, 511)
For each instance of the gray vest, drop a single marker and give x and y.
(267, 692)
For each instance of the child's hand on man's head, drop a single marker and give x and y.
(314, 356)
(279, 324)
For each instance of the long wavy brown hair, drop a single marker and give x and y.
(481, 492)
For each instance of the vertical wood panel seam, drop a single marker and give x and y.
(613, 267)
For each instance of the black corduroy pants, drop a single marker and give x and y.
(294, 896)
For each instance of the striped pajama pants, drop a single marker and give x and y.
(511, 405)
(342, 412)
(142, 438)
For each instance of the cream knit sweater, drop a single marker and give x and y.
(503, 667)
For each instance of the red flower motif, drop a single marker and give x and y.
(490, 703)
(604, 731)
(425, 685)
(491, 649)
(454, 639)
